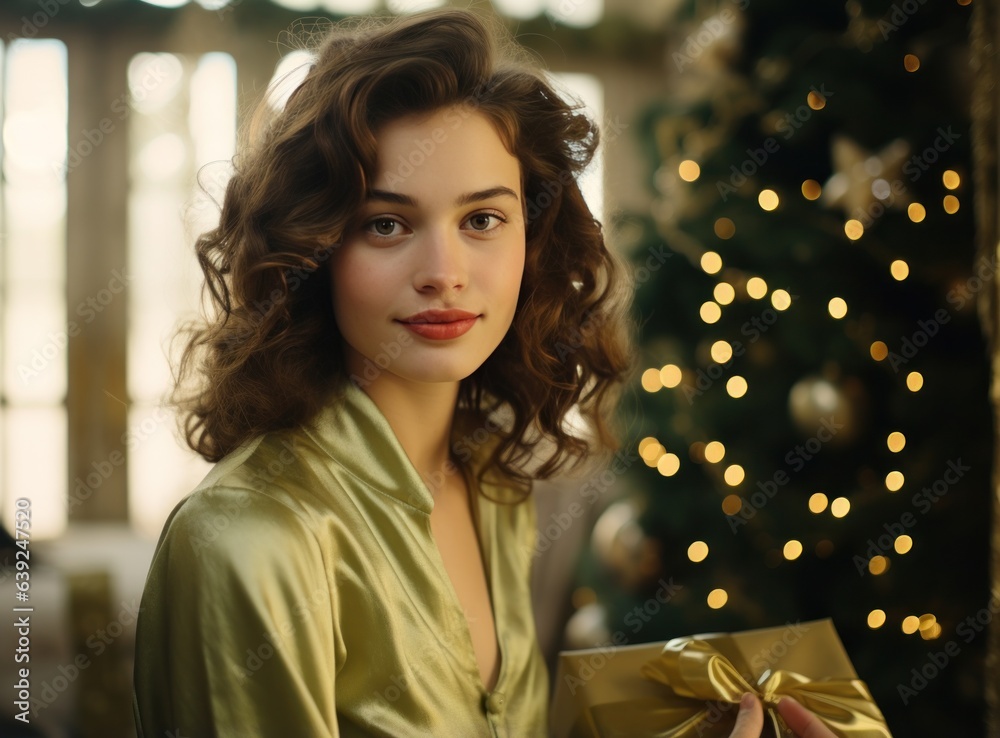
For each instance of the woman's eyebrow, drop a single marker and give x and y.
(469, 197)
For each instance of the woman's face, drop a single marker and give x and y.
(442, 229)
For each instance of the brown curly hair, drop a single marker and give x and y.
(271, 357)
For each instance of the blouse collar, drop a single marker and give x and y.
(356, 434)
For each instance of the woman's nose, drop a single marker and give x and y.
(442, 265)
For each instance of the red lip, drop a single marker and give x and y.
(439, 316)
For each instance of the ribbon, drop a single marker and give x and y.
(705, 689)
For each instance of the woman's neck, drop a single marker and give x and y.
(421, 417)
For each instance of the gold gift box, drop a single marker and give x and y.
(622, 692)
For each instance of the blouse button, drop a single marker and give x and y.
(495, 702)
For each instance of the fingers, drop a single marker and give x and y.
(750, 719)
(802, 722)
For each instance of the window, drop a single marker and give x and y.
(182, 130)
(34, 330)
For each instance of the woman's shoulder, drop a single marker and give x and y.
(257, 501)
(223, 534)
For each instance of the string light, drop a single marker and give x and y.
(879, 350)
(736, 387)
(951, 180)
(722, 351)
(732, 504)
(725, 228)
(817, 502)
(645, 442)
(651, 452)
(792, 550)
(837, 307)
(916, 212)
(714, 452)
(668, 464)
(756, 288)
(929, 627)
(914, 381)
(910, 624)
(854, 229)
(895, 441)
(670, 375)
(811, 189)
(815, 100)
(911, 63)
(698, 551)
(768, 200)
(734, 475)
(689, 170)
(894, 481)
(931, 633)
(899, 269)
(781, 300)
(648, 440)
(711, 262)
(876, 619)
(903, 544)
(710, 312)
(840, 507)
(724, 293)
(878, 565)
(651, 380)
(717, 598)
(950, 204)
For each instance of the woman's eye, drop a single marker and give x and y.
(481, 221)
(383, 226)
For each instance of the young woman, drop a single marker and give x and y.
(412, 296)
(416, 316)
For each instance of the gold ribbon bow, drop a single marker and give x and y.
(705, 689)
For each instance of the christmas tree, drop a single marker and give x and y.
(813, 415)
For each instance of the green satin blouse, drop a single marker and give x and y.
(298, 592)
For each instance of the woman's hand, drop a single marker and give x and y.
(750, 720)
